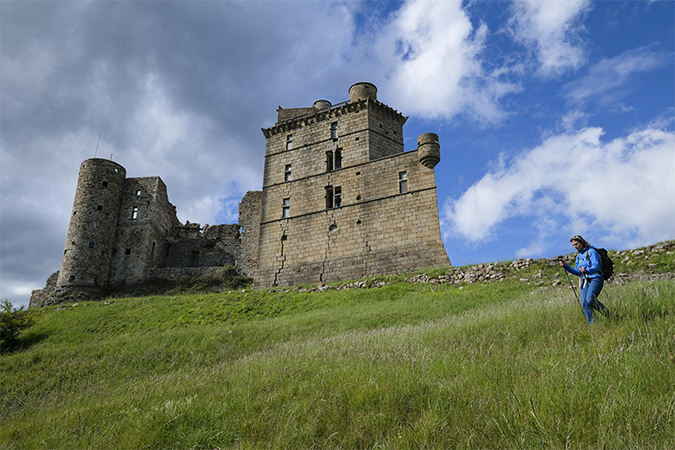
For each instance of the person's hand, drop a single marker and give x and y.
(582, 270)
(561, 262)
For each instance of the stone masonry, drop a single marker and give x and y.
(124, 231)
(340, 200)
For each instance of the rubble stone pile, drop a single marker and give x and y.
(483, 273)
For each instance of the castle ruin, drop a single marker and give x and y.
(340, 200)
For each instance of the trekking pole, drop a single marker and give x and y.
(574, 290)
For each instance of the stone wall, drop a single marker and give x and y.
(146, 220)
(376, 213)
(249, 220)
(385, 126)
(176, 273)
(284, 114)
(40, 297)
(365, 131)
(123, 231)
(214, 246)
(93, 224)
(383, 232)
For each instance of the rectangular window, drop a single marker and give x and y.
(333, 197)
(127, 251)
(286, 208)
(194, 259)
(99, 208)
(329, 197)
(138, 193)
(337, 195)
(287, 173)
(134, 212)
(92, 245)
(289, 142)
(105, 184)
(338, 159)
(334, 130)
(402, 182)
(329, 161)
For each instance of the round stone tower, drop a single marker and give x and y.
(321, 104)
(429, 149)
(361, 91)
(93, 223)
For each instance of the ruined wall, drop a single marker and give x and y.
(215, 245)
(124, 231)
(146, 220)
(249, 220)
(176, 273)
(42, 297)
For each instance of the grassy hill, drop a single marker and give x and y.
(381, 364)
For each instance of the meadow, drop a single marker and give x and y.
(504, 365)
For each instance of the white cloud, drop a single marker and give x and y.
(574, 120)
(430, 54)
(550, 29)
(607, 81)
(624, 188)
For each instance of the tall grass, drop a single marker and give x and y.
(403, 366)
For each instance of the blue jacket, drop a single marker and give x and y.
(589, 259)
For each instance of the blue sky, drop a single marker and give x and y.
(555, 118)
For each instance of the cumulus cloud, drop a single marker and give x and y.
(430, 53)
(573, 181)
(551, 30)
(607, 80)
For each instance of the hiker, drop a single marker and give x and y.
(588, 267)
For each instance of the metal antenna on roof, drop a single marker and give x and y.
(99, 141)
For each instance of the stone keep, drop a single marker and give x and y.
(341, 199)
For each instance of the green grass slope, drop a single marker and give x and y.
(498, 365)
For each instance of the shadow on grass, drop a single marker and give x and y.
(23, 343)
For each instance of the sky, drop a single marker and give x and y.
(554, 118)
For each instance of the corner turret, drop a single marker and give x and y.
(362, 90)
(429, 149)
